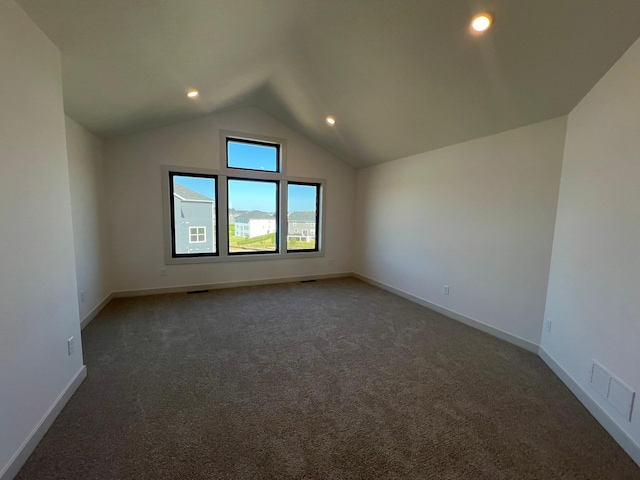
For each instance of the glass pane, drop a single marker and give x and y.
(302, 215)
(194, 215)
(252, 156)
(253, 216)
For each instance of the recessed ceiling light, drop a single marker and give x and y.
(481, 22)
(193, 93)
(331, 120)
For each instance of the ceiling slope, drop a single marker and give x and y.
(401, 77)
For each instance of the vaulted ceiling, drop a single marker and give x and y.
(400, 76)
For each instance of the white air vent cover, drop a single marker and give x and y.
(612, 389)
(621, 397)
(600, 380)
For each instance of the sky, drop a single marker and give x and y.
(252, 195)
(253, 157)
(247, 195)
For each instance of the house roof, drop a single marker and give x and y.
(188, 194)
(254, 215)
(400, 77)
(302, 217)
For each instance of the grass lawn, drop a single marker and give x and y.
(262, 243)
(256, 244)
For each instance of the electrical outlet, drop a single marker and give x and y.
(70, 346)
(82, 296)
(163, 272)
(445, 290)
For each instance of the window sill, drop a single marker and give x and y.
(247, 257)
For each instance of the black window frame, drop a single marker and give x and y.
(254, 142)
(276, 182)
(176, 173)
(317, 229)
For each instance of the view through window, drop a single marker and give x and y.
(253, 216)
(252, 155)
(193, 214)
(302, 217)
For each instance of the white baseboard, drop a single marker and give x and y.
(603, 418)
(92, 314)
(483, 327)
(210, 286)
(215, 286)
(20, 457)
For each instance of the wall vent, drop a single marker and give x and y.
(612, 389)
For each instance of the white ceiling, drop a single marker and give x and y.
(400, 76)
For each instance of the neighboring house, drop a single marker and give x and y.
(195, 220)
(233, 213)
(254, 223)
(301, 226)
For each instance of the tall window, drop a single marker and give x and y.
(254, 207)
(302, 217)
(193, 213)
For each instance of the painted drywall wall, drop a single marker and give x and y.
(593, 300)
(478, 217)
(38, 308)
(133, 173)
(86, 179)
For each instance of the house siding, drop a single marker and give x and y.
(193, 214)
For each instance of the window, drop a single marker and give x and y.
(256, 228)
(249, 209)
(253, 155)
(303, 209)
(193, 212)
(197, 234)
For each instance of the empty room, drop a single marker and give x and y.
(343, 239)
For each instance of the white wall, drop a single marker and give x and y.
(90, 237)
(133, 173)
(594, 288)
(482, 216)
(38, 308)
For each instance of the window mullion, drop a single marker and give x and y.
(223, 216)
(283, 211)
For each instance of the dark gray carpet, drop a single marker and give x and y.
(334, 379)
